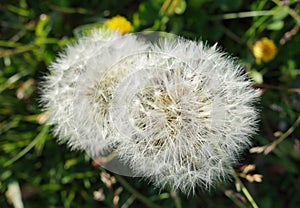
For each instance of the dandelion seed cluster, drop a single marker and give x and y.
(176, 111)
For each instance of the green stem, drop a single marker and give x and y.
(18, 50)
(138, 195)
(10, 44)
(270, 147)
(244, 189)
(68, 10)
(176, 199)
(291, 12)
(245, 14)
(129, 201)
(288, 132)
(230, 195)
(37, 139)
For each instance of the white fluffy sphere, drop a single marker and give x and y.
(176, 111)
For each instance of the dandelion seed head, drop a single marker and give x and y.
(184, 123)
(79, 87)
(177, 112)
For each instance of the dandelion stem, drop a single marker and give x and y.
(129, 201)
(288, 132)
(244, 189)
(230, 195)
(138, 195)
(176, 199)
(271, 146)
(283, 136)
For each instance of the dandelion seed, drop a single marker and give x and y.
(176, 111)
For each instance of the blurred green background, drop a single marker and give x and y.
(36, 171)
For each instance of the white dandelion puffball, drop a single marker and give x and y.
(175, 111)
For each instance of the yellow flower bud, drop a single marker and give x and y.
(264, 50)
(119, 23)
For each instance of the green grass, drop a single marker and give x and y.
(36, 171)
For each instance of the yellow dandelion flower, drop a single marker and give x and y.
(119, 23)
(264, 50)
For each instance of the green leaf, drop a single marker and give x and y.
(281, 13)
(278, 25)
(51, 187)
(180, 9)
(19, 11)
(256, 76)
(43, 28)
